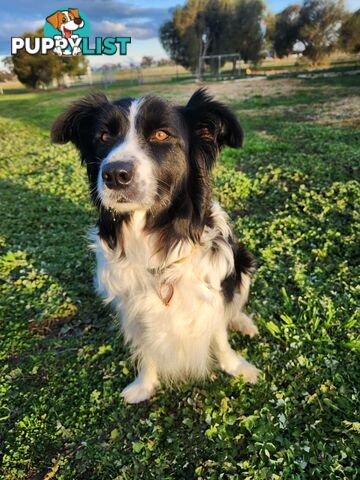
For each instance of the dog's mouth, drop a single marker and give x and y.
(123, 198)
(124, 201)
(67, 32)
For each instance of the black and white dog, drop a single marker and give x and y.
(166, 256)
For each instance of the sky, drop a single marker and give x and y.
(136, 19)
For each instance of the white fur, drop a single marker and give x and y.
(129, 150)
(180, 340)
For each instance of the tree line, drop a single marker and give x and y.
(211, 27)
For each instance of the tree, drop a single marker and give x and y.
(171, 41)
(35, 70)
(165, 62)
(286, 30)
(350, 33)
(5, 76)
(246, 34)
(147, 61)
(211, 27)
(190, 26)
(316, 24)
(319, 27)
(270, 21)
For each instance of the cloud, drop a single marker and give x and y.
(16, 28)
(94, 10)
(112, 29)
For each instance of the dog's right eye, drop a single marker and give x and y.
(64, 20)
(159, 136)
(105, 137)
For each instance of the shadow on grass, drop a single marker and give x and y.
(47, 279)
(62, 392)
(48, 265)
(52, 230)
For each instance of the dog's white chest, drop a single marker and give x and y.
(178, 331)
(136, 279)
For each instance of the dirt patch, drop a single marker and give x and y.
(342, 112)
(232, 91)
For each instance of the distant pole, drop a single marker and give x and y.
(219, 65)
(203, 48)
(89, 72)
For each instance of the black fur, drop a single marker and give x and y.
(210, 126)
(244, 263)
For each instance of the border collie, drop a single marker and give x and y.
(167, 258)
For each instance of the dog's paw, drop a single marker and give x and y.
(245, 325)
(250, 329)
(137, 392)
(239, 366)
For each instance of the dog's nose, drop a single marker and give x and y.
(117, 175)
(78, 21)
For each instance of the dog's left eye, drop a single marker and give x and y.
(159, 136)
(105, 137)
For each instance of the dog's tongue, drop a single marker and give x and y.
(67, 33)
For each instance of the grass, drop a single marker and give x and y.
(293, 197)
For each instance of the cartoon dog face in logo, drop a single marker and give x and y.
(66, 21)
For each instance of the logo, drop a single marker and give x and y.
(67, 32)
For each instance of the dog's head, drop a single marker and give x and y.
(66, 21)
(147, 154)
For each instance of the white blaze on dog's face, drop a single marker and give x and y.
(126, 178)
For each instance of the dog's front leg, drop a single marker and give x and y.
(144, 385)
(231, 362)
(244, 324)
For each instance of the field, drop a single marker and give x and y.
(338, 62)
(293, 197)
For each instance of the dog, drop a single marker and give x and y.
(166, 256)
(66, 21)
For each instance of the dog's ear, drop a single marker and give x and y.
(75, 12)
(212, 125)
(76, 123)
(55, 19)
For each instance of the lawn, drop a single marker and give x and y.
(293, 196)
